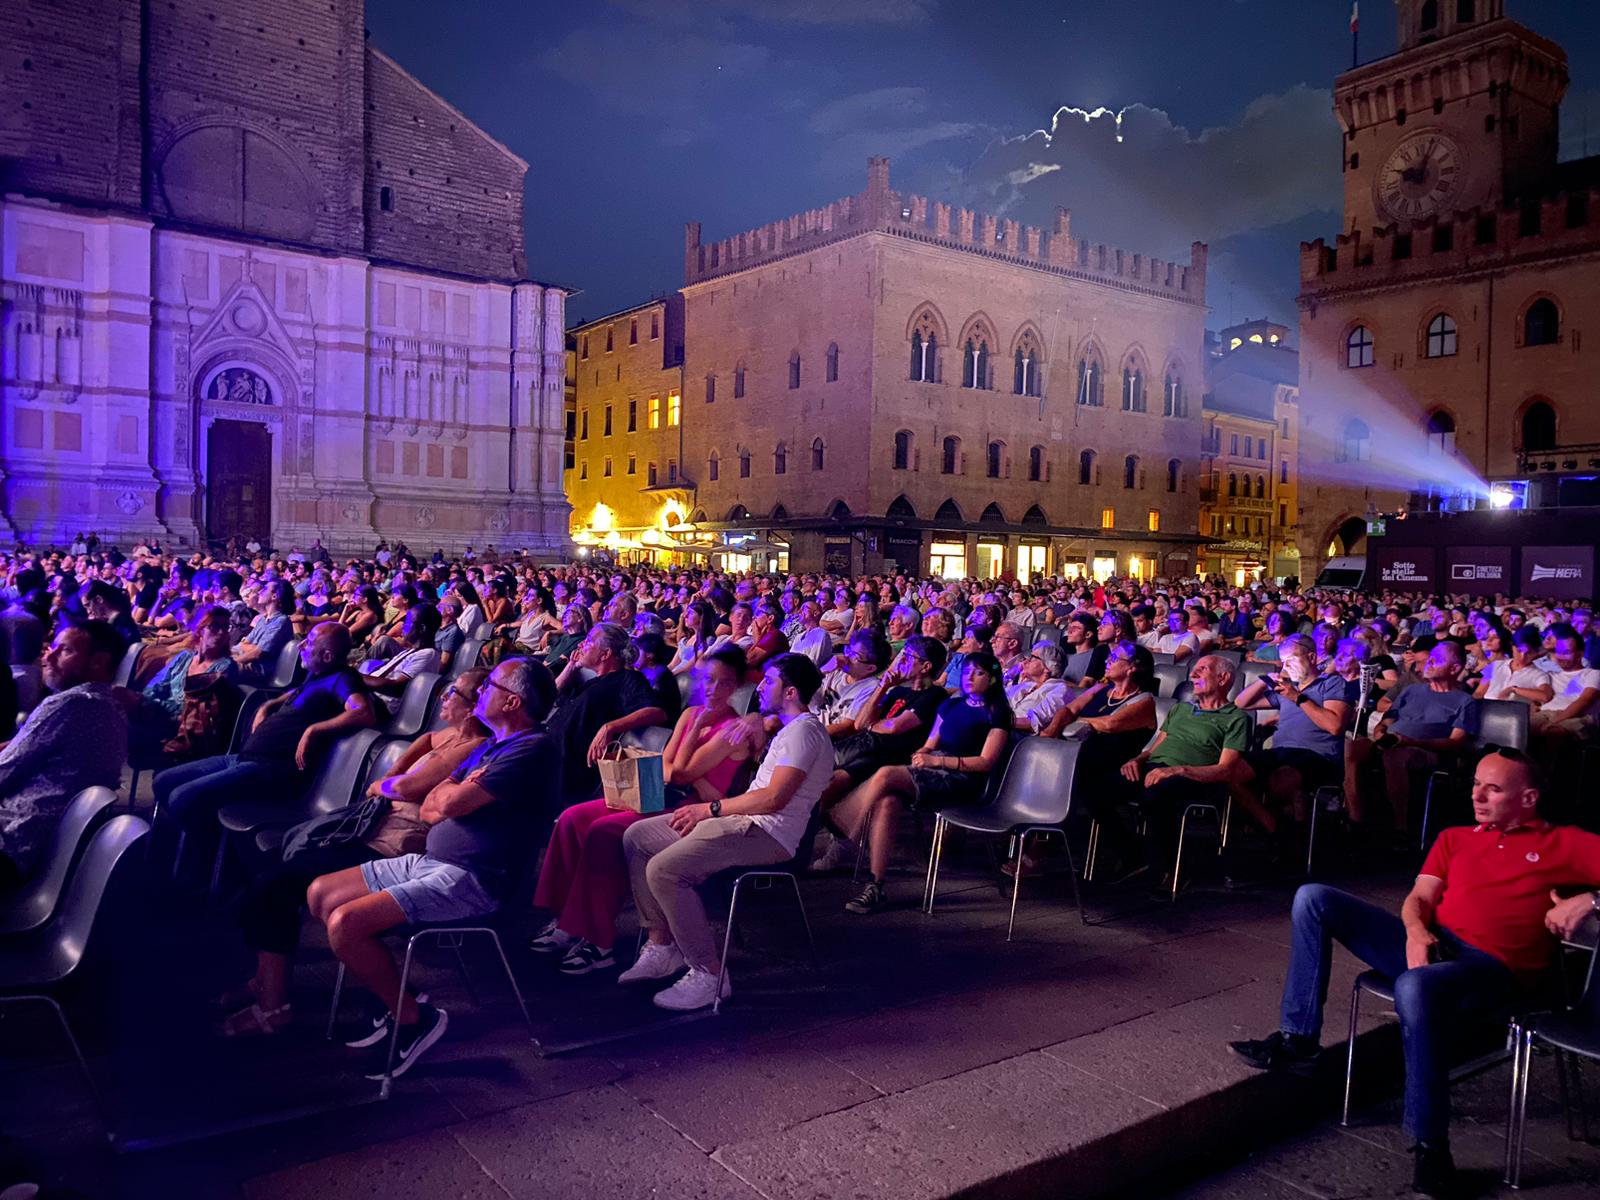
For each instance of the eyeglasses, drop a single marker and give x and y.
(494, 683)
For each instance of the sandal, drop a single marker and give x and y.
(256, 1021)
(238, 998)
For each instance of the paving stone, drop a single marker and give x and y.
(937, 1139)
(429, 1164)
(596, 1143)
(715, 1096)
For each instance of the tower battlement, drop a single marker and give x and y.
(880, 209)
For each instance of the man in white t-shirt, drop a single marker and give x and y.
(811, 639)
(1571, 711)
(671, 855)
(1178, 641)
(844, 692)
(1144, 626)
(417, 654)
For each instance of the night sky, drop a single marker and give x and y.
(636, 116)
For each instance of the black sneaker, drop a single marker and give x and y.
(414, 1042)
(868, 900)
(1280, 1052)
(585, 957)
(1435, 1172)
(380, 1028)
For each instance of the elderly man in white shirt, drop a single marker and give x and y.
(1039, 692)
(811, 639)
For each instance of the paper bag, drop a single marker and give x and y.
(632, 779)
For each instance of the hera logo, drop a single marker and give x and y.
(1562, 572)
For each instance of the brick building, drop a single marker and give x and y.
(1249, 454)
(257, 279)
(1441, 334)
(887, 380)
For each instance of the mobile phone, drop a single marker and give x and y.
(1271, 681)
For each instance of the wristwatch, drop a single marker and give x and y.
(716, 808)
(1301, 698)
(1594, 901)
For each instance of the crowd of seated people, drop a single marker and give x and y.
(876, 698)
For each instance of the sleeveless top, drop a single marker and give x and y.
(725, 772)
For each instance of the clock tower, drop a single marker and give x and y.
(1464, 114)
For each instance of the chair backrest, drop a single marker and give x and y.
(653, 738)
(416, 702)
(1499, 723)
(1169, 676)
(67, 936)
(1025, 637)
(1184, 691)
(686, 687)
(336, 782)
(744, 698)
(389, 751)
(1161, 657)
(1078, 663)
(483, 632)
(130, 661)
(1047, 633)
(30, 686)
(36, 903)
(1037, 788)
(287, 669)
(465, 658)
(1249, 672)
(252, 698)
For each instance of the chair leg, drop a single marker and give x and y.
(338, 995)
(805, 921)
(1580, 1102)
(861, 851)
(386, 1088)
(1520, 1109)
(1311, 836)
(512, 980)
(1177, 865)
(1350, 1052)
(77, 1053)
(1515, 1038)
(1226, 819)
(727, 940)
(1090, 851)
(935, 855)
(1016, 882)
(217, 863)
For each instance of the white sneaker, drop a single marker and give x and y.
(655, 961)
(830, 852)
(697, 989)
(552, 939)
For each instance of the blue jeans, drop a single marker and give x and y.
(192, 794)
(1433, 1002)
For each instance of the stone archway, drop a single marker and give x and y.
(1348, 537)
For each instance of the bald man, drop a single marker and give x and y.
(1480, 927)
(287, 743)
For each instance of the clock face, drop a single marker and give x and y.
(1421, 178)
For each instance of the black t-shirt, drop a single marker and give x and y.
(318, 699)
(668, 698)
(582, 711)
(963, 727)
(1097, 661)
(492, 841)
(925, 702)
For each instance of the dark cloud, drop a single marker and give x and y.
(890, 120)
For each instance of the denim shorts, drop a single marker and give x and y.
(428, 890)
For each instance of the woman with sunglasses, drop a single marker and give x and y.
(270, 910)
(952, 768)
(584, 880)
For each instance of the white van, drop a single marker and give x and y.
(1346, 574)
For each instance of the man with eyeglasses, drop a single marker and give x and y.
(850, 685)
(1006, 645)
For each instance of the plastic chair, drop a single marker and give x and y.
(36, 903)
(1491, 723)
(38, 964)
(334, 787)
(1077, 664)
(1034, 797)
(744, 699)
(389, 752)
(1574, 1032)
(1162, 658)
(1169, 676)
(1250, 672)
(465, 658)
(1047, 633)
(129, 663)
(416, 702)
(287, 669)
(1184, 692)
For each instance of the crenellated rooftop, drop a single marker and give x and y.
(1556, 224)
(881, 209)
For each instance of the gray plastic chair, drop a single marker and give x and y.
(287, 669)
(744, 699)
(1250, 672)
(269, 840)
(129, 663)
(1034, 797)
(416, 702)
(1574, 1032)
(465, 658)
(1491, 723)
(36, 903)
(1169, 676)
(38, 964)
(1047, 633)
(1077, 664)
(334, 787)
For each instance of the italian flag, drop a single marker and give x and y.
(1355, 16)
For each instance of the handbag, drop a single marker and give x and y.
(205, 723)
(857, 750)
(342, 827)
(632, 779)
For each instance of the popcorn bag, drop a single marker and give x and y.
(632, 779)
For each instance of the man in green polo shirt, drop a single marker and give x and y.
(1193, 758)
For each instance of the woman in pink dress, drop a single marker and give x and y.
(584, 880)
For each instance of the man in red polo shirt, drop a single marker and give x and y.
(1480, 926)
